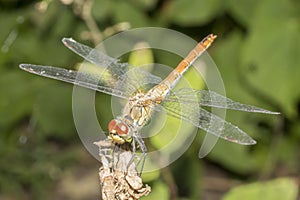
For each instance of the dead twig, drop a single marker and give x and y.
(119, 178)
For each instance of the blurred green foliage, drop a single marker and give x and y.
(281, 188)
(257, 53)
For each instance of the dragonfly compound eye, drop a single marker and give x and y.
(112, 126)
(122, 129)
(116, 127)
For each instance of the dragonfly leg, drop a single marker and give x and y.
(133, 152)
(138, 140)
(144, 150)
(113, 158)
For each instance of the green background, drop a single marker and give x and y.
(257, 53)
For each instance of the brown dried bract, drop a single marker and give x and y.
(118, 175)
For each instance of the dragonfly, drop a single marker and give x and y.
(158, 95)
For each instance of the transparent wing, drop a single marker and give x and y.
(102, 82)
(212, 99)
(94, 81)
(137, 79)
(110, 76)
(128, 81)
(96, 57)
(191, 112)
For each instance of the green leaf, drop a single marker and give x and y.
(194, 12)
(289, 150)
(126, 12)
(17, 96)
(145, 4)
(227, 55)
(46, 52)
(53, 110)
(271, 59)
(233, 156)
(150, 176)
(243, 10)
(141, 55)
(159, 191)
(189, 176)
(282, 188)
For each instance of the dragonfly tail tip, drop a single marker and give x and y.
(214, 36)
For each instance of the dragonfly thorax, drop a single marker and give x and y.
(134, 116)
(137, 111)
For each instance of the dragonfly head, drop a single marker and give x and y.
(118, 132)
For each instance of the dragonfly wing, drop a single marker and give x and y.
(96, 57)
(138, 79)
(100, 81)
(95, 81)
(128, 80)
(213, 99)
(206, 121)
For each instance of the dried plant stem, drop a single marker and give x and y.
(118, 175)
(83, 8)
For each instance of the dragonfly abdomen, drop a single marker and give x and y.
(171, 80)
